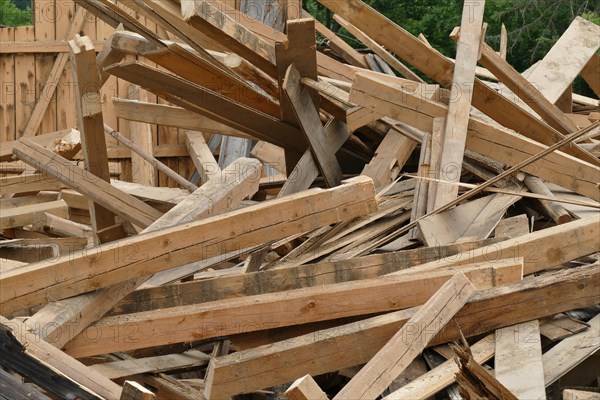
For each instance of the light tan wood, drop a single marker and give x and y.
(25, 215)
(334, 348)
(408, 342)
(457, 121)
(201, 156)
(28, 183)
(389, 159)
(126, 206)
(572, 52)
(124, 368)
(270, 154)
(141, 134)
(518, 363)
(591, 75)
(554, 210)
(295, 307)
(342, 48)
(305, 388)
(379, 50)
(310, 123)
(91, 124)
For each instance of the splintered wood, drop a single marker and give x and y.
(331, 230)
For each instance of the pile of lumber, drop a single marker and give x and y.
(383, 223)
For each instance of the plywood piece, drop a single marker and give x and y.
(476, 218)
(406, 344)
(518, 363)
(567, 58)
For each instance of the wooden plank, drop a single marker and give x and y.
(25, 215)
(573, 394)
(443, 375)
(24, 81)
(308, 119)
(44, 13)
(202, 156)
(163, 114)
(219, 26)
(407, 344)
(342, 48)
(141, 134)
(50, 367)
(518, 363)
(570, 352)
(379, 50)
(65, 112)
(126, 206)
(270, 154)
(305, 388)
(260, 312)
(476, 218)
(91, 124)
(561, 327)
(457, 121)
(390, 158)
(322, 351)
(485, 139)
(191, 242)
(437, 67)
(8, 90)
(554, 210)
(572, 52)
(46, 103)
(28, 183)
(169, 362)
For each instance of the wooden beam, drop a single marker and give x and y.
(202, 156)
(322, 351)
(567, 58)
(169, 362)
(141, 135)
(91, 124)
(167, 115)
(573, 394)
(260, 312)
(219, 26)
(379, 50)
(26, 215)
(308, 119)
(134, 391)
(591, 75)
(28, 183)
(187, 243)
(305, 388)
(343, 49)
(518, 363)
(483, 138)
(408, 342)
(126, 206)
(457, 121)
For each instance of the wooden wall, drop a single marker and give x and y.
(27, 57)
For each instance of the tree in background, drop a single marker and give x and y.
(15, 12)
(533, 26)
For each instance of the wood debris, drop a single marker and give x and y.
(221, 207)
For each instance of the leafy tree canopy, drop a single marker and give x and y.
(15, 12)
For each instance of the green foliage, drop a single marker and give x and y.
(533, 26)
(11, 15)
